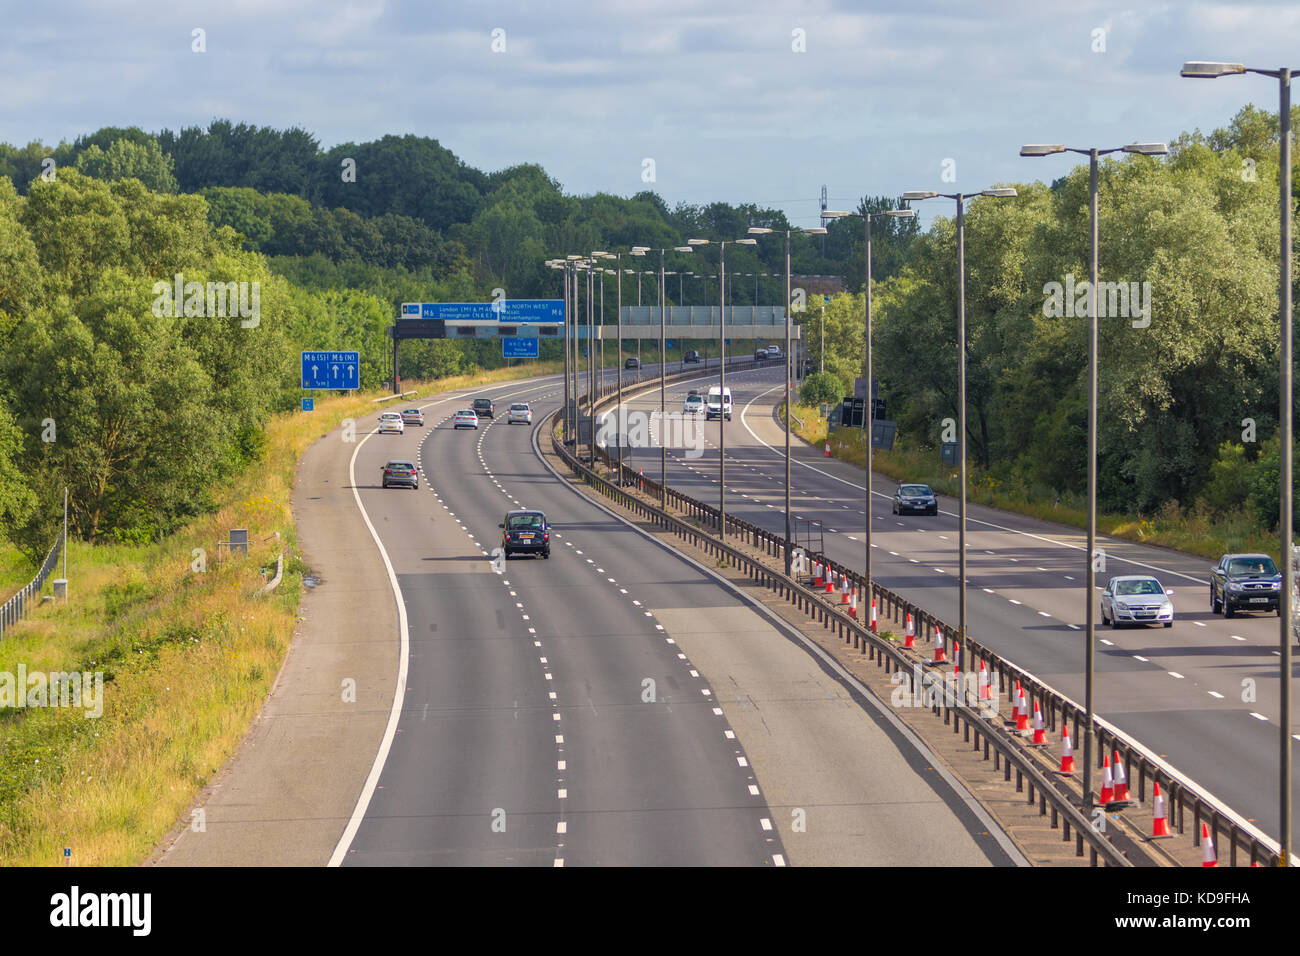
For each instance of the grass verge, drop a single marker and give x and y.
(188, 651)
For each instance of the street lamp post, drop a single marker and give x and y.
(960, 198)
(722, 375)
(663, 449)
(1090, 571)
(1202, 70)
(761, 231)
(869, 402)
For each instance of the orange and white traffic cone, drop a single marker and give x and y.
(853, 605)
(1121, 783)
(1107, 783)
(909, 635)
(844, 589)
(939, 656)
(1015, 704)
(1040, 732)
(1207, 847)
(986, 693)
(1160, 824)
(1022, 715)
(873, 614)
(817, 574)
(1067, 752)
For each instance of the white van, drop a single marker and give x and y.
(718, 404)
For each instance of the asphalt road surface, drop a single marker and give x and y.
(549, 716)
(1202, 694)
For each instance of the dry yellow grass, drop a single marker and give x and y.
(188, 658)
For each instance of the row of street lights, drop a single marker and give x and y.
(1191, 69)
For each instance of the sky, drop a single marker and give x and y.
(756, 101)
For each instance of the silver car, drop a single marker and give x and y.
(391, 422)
(1136, 599)
(519, 412)
(465, 419)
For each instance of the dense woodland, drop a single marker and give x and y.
(139, 413)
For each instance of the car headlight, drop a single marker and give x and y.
(1167, 608)
(1274, 585)
(1234, 587)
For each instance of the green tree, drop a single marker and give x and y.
(125, 159)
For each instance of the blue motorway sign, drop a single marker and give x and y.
(514, 311)
(331, 370)
(309, 404)
(516, 347)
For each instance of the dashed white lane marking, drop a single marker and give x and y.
(1215, 694)
(1013, 601)
(1139, 657)
(1044, 614)
(1106, 642)
(1258, 716)
(1175, 675)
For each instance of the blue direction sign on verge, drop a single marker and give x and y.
(309, 404)
(516, 347)
(331, 370)
(510, 311)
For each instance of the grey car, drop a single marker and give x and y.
(1136, 599)
(915, 499)
(401, 473)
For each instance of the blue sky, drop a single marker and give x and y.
(719, 95)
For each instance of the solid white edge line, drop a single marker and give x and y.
(399, 692)
(969, 519)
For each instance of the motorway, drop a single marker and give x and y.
(556, 714)
(1202, 694)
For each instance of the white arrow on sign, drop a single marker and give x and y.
(313, 371)
(336, 371)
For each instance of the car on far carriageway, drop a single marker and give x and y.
(519, 412)
(1245, 582)
(465, 418)
(412, 416)
(1136, 599)
(525, 532)
(632, 362)
(401, 473)
(391, 422)
(915, 499)
(691, 357)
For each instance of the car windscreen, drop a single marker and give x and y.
(914, 491)
(1149, 586)
(518, 407)
(1252, 566)
(401, 465)
(524, 522)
